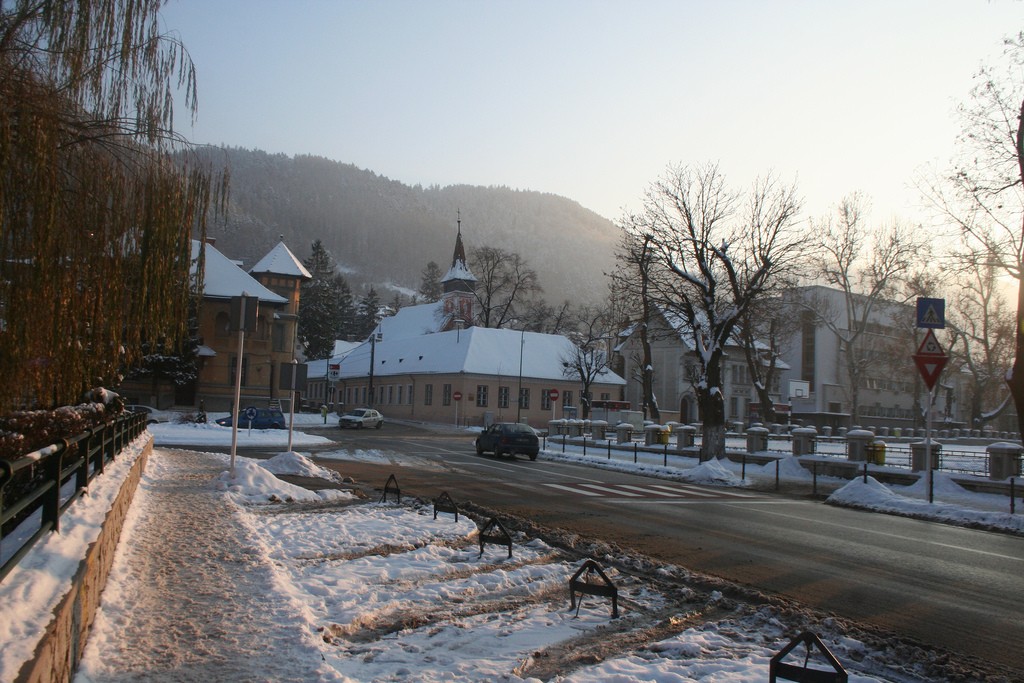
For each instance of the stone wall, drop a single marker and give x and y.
(60, 647)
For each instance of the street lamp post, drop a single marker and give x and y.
(373, 352)
(519, 402)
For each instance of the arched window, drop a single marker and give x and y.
(222, 325)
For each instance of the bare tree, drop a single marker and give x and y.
(981, 327)
(589, 358)
(504, 285)
(867, 267)
(632, 283)
(983, 194)
(711, 262)
(763, 332)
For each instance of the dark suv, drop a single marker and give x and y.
(508, 438)
(264, 418)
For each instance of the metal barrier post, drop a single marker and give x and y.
(664, 459)
(584, 444)
(634, 452)
(743, 467)
(609, 449)
(777, 475)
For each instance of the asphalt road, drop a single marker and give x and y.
(959, 589)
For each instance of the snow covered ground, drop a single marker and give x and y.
(251, 578)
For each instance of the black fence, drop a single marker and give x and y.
(38, 487)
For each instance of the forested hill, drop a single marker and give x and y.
(381, 231)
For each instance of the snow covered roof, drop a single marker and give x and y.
(412, 321)
(223, 279)
(475, 350)
(459, 271)
(281, 261)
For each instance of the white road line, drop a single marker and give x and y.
(685, 490)
(611, 490)
(649, 490)
(574, 489)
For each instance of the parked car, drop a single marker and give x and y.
(360, 418)
(153, 416)
(266, 418)
(508, 438)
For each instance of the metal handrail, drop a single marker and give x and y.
(51, 469)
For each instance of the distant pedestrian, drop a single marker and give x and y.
(323, 411)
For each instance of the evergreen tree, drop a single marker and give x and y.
(430, 285)
(319, 315)
(368, 314)
(348, 319)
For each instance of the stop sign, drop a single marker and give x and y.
(457, 395)
(553, 394)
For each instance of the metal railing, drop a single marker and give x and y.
(38, 487)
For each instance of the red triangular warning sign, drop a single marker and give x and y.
(930, 346)
(930, 366)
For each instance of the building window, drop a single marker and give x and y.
(446, 394)
(545, 400)
(807, 348)
(400, 394)
(408, 393)
(524, 398)
(245, 370)
(222, 325)
(605, 396)
(279, 337)
(428, 394)
(567, 398)
(734, 407)
(503, 397)
(481, 395)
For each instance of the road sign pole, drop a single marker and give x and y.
(928, 442)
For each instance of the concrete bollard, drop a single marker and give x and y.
(1003, 460)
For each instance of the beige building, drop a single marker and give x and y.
(275, 283)
(430, 363)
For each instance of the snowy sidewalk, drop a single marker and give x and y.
(186, 600)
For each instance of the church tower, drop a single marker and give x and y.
(458, 289)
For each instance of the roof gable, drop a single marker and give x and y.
(223, 279)
(281, 261)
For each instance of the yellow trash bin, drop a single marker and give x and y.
(663, 436)
(875, 452)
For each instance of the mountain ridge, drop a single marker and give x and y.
(382, 231)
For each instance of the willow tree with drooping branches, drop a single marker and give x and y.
(99, 196)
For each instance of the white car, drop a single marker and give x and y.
(153, 416)
(360, 418)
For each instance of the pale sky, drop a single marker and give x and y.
(593, 99)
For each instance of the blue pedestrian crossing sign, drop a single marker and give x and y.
(931, 313)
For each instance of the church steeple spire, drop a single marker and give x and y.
(459, 286)
(459, 257)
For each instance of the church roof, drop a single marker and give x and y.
(281, 261)
(459, 269)
(475, 351)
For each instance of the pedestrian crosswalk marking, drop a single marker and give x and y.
(686, 491)
(573, 489)
(598, 487)
(650, 490)
(700, 492)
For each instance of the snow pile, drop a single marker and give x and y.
(904, 500)
(254, 482)
(298, 464)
